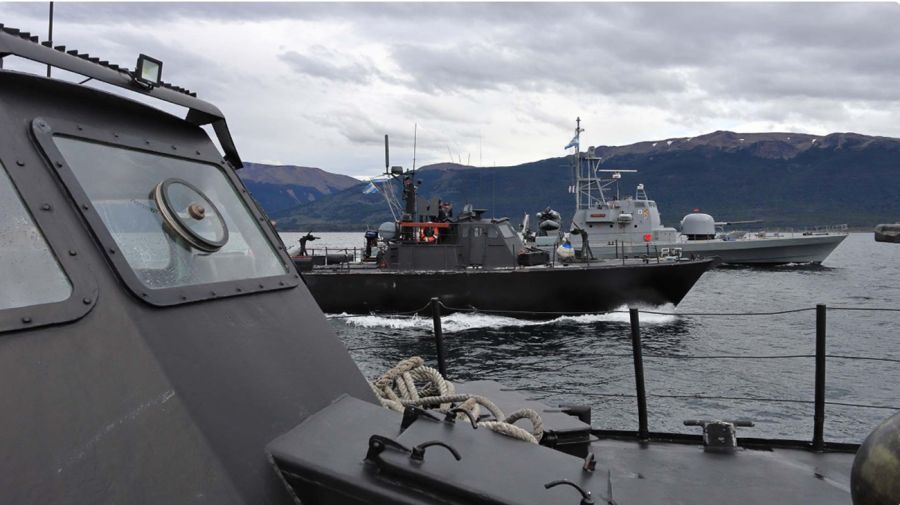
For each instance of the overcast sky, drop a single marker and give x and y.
(502, 83)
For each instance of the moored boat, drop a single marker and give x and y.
(887, 233)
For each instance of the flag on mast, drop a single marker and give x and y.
(572, 143)
(370, 188)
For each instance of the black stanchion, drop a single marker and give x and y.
(643, 431)
(819, 416)
(438, 336)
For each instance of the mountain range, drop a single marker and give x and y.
(281, 187)
(785, 179)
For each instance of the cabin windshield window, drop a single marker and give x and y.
(492, 232)
(507, 230)
(121, 184)
(29, 273)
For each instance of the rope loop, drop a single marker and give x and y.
(412, 384)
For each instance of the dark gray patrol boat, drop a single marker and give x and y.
(472, 261)
(157, 346)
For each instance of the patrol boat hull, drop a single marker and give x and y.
(522, 292)
(768, 251)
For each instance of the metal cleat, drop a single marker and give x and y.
(718, 435)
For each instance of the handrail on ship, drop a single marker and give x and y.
(817, 443)
(355, 255)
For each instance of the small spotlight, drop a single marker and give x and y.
(148, 71)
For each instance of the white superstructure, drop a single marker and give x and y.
(631, 225)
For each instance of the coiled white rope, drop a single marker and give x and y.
(399, 388)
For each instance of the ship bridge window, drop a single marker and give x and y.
(493, 232)
(507, 230)
(29, 272)
(122, 184)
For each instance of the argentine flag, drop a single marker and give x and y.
(572, 143)
(371, 188)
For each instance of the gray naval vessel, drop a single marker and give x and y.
(471, 261)
(630, 224)
(157, 346)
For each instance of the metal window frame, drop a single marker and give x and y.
(45, 217)
(44, 131)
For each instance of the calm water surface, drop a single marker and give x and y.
(577, 359)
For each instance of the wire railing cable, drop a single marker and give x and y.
(704, 397)
(408, 314)
(660, 313)
(592, 313)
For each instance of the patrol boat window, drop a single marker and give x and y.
(29, 272)
(153, 231)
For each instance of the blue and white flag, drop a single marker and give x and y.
(572, 143)
(371, 188)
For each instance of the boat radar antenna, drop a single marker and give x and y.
(406, 211)
(385, 184)
(614, 178)
(415, 142)
(590, 184)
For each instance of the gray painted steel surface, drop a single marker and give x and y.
(132, 403)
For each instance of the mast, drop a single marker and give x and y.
(579, 179)
(50, 34)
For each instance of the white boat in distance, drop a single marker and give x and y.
(631, 226)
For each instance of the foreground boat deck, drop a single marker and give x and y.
(661, 472)
(675, 469)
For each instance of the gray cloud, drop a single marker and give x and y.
(323, 66)
(344, 74)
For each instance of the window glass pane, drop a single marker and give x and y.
(507, 230)
(492, 232)
(29, 273)
(121, 182)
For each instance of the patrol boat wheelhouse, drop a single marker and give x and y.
(631, 225)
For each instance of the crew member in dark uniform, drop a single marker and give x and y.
(303, 240)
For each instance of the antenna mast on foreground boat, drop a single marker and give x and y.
(50, 34)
